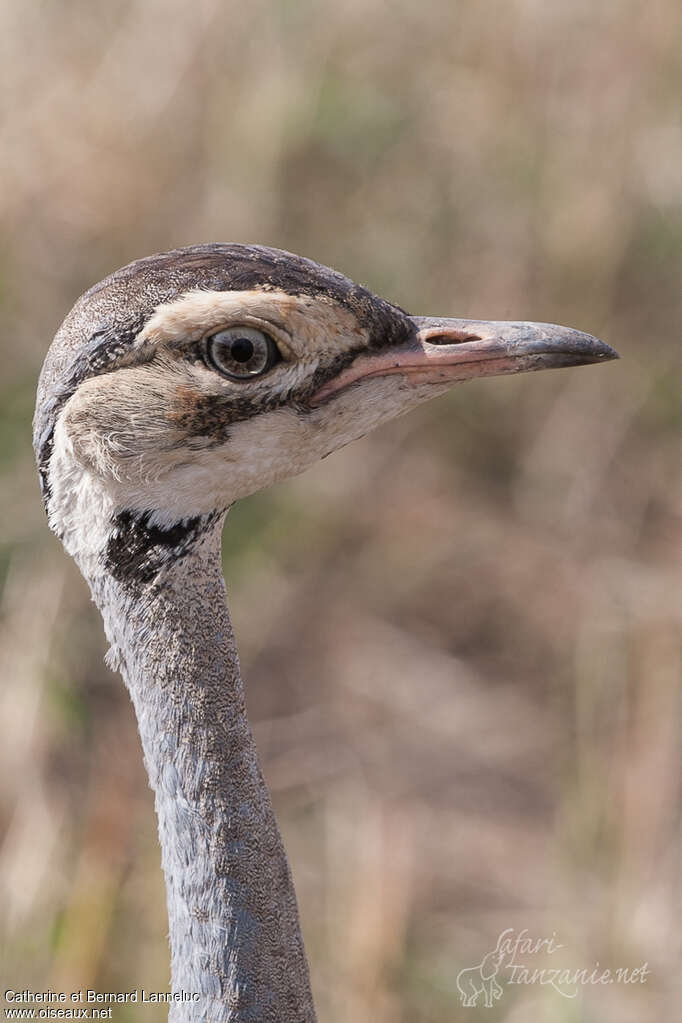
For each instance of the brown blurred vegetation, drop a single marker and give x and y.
(461, 636)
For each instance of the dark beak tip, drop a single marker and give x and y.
(583, 348)
(599, 351)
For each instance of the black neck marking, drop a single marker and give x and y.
(137, 550)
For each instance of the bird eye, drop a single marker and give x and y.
(241, 352)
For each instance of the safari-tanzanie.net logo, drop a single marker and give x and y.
(519, 958)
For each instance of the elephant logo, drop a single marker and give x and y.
(481, 980)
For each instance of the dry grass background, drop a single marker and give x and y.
(461, 636)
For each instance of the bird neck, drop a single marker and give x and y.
(236, 948)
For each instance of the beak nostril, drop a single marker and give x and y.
(453, 337)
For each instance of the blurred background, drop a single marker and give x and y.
(461, 637)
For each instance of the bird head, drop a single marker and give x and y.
(190, 379)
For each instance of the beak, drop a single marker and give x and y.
(443, 351)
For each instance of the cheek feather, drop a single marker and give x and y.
(199, 416)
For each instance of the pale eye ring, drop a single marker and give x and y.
(241, 353)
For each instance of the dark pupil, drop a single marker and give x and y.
(241, 349)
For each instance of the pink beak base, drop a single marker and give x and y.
(451, 351)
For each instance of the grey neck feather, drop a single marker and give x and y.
(234, 928)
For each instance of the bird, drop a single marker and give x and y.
(176, 386)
